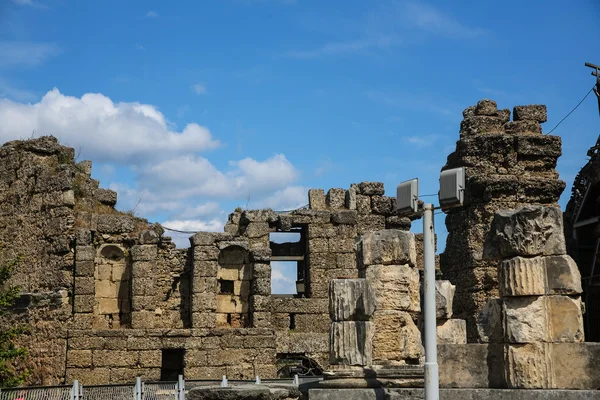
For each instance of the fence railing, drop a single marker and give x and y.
(138, 391)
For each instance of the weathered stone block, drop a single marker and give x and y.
(208, 238)
(396, 287)
(525, 319)
(344, 217)
(345, 261)
(396, 337)
(520, 127)
(144, 252)
(351, 300)
(262, 270)
(370, 223)
(350, 201)
(114, 358)
(79, 358)
(312, 323)
(206, 268)
(563, 275)
(371, 188)
(84, 268)
(316, 199)
(363, 204)
(351, 343)
(489, 322)
(444, 295)
(336, 199)
(381, 205)
(565, 319)
(91, 376)
(261, 320)
(486, 107)
(520, 276)
(106, 288)
(84, 285)
(452, 331)
(228, 273)
(257, 229)
(84, 304)
(142, 287)
(141, 269)
(397, 222)
(152, 358)
(241, 288)
(203, 320)
(106, 196)
(342, 245)
(528, 366)
(533, 112)
(109, 223)
(206, 253)
(85, 253)
(318, 245)
(481, 124)
(261, 286)
(387, 247)
(528, 231)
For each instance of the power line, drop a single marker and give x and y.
(570, 112)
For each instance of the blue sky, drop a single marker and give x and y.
(191, 108)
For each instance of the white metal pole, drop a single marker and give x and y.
(432, 389)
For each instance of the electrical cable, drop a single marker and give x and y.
(570, 112)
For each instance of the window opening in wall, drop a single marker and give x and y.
(226, 286)
(172, 364)
(292, 322)
(289, 267)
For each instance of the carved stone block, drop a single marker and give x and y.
(525, 319)
(520, 276)
(386, 247)
(396, 287)
(444, 294)
(351, 343)
(351, 300)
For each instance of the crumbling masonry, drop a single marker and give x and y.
(109, 296)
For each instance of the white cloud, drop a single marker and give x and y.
(152, 14)
(199, 88)
(341, 48)
(429, 18)
(283, 277)
(289, 198)
(28, 54)
(182, 240)
(106, 131)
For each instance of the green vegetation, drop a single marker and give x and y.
(11, 356)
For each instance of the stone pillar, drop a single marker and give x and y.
(449, 330)
(540, 289)
(387, 260)
(351, 306)
(143, 282)
(509, 164)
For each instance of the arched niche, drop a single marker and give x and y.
(112, 281)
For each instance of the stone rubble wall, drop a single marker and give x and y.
(509, 164)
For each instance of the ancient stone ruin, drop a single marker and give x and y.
(109, 297)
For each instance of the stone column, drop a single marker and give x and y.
(387, 260)
(351, 306)
(509, 164)
(539, 287)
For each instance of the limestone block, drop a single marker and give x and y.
(525, 319)
(203, 320)
(452, 331)
(371, 188)
(563, 275)
(396, 287)
(344, 217)
(318, 245)
(520, 127)
(229, 273)
(106, 288)
(336, 199)
(397, 222)
(108, 306)
(312, 323)
(140, 303)
(533, 112)
(386, 247)
(208, 238)
(565, 319)
(68, 198)
(520, 276)
(257, 229)
(84, 268)
(85, 253)
(148, 236)
(486, 107)
(79, 358)
(345, 261)
(261, 270)
(381, 205)
(142, 269)
(489, 322)
(363, 204)
(206, 268)
(261, 286)
(444, 295)
(351, 300)
(351, 343)
(528, 231)
(316, 199)
(396, 337)
(84, 304)
(206, 253)
(142, 287)
(241, 288)
(350, 200)
(261, 320)
(106, 196)
(144, 252)
(109, 223)
(481, 124)
(338, 245)
(84, 285)
(528, 366)
(370, 222)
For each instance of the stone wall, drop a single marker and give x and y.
(508, 164)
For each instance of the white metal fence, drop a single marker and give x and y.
(138, 391)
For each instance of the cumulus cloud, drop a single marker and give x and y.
(107, 131)
(157, 170)
(198, 88)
